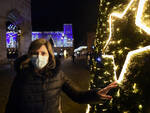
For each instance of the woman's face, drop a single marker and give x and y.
(40, 57)
(42, 51)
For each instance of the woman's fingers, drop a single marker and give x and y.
(105, 90)
(114, 83)
(109, 87)
(106, 97)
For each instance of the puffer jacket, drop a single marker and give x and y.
(33, 92)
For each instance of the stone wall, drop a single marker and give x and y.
(19, 12)
(2, 41)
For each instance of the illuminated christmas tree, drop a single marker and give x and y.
(123, 47)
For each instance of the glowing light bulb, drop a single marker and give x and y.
(140, 107)
(118, 93)
(119, 41)
(120, 51)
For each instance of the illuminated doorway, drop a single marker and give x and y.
(12, 43)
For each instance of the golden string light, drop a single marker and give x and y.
(139, 23)
(118, 15)
(127, 61)
(88, 108)
(113, 61)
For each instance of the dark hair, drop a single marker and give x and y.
(51, 42)
(35, 45)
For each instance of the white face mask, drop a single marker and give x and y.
(39, 61)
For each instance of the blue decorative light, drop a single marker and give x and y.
(11, 27)
(11, 39)
(60, 38)
(98, 59)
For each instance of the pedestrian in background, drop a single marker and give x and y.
(38, 83)
(73, 57)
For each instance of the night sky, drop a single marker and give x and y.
(50, 15)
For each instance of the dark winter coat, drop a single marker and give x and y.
(33, 92)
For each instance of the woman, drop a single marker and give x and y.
(38, 83)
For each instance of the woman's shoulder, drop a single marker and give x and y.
(21, 62)
(59, 75)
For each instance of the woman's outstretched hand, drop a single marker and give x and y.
(103, 92)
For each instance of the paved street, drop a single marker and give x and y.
(6, 78)
(76, 71)
(79, 74)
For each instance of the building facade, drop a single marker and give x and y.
(91, 36)
(63, 40)
(15, 27)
